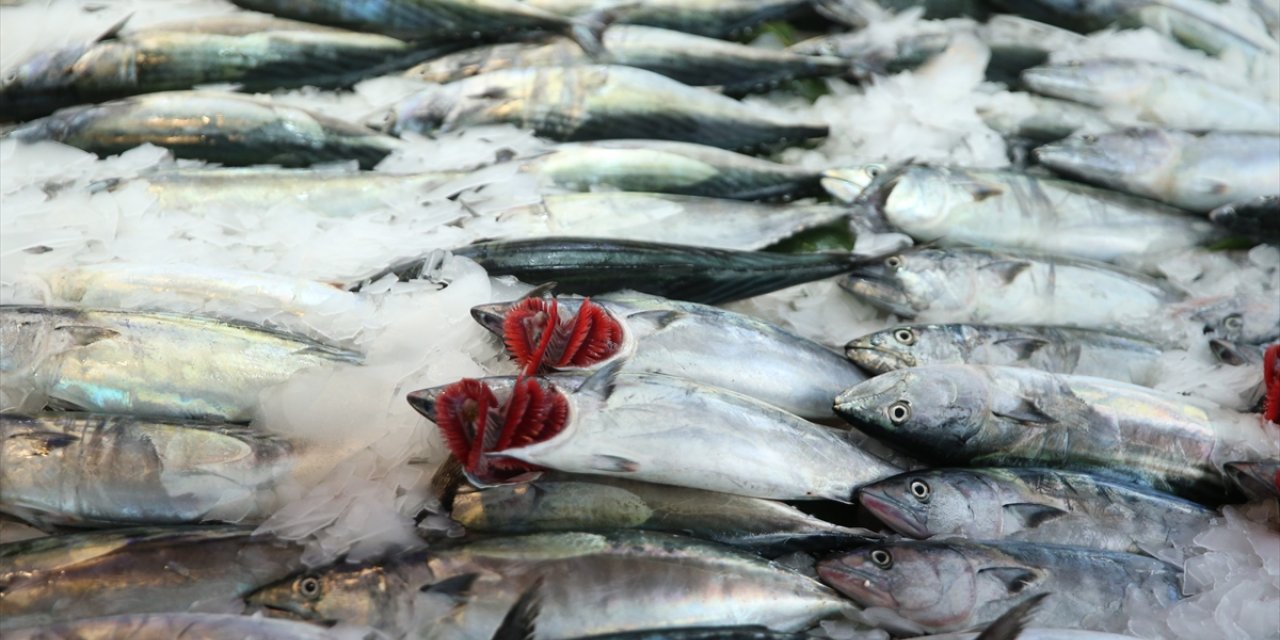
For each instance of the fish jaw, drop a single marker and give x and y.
(855, 577)
(874, 283)
(491, 316)
(863, 404)
(1062, 81)
(892, 512)
(846, 185)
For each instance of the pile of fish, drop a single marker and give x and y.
(731, 370)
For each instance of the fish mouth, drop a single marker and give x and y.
(876, 359)
(872, 284)
(856, 584)
(491, 316)
(1055, 81)
(424, 401)
(891, 512)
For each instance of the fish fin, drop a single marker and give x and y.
(1015, 579)
(613, 464)
(455, 588)
(588, 29)
(1008, 270)
(982, 190)
(113, 30)
(659, 318)
(1024, 347)
(1033, 515)
(601, 383)
(1010, 625)
(1025, 411)
(85, 335)
(541, 291)
(521, 621)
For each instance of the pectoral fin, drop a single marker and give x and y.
(1015, 579)
(1024, 411)
(1023, 347)
(1032, 515)
(613, 464)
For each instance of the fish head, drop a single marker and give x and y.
(1134, 151)
(923, 504)
(347, 593)
(555, 334)
(901, 284)
(44, 71)
(1091, 83)
(846, 185)
(929, 584)
(902, 347)
(936, 409)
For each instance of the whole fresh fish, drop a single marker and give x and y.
(565, 502)
(698, 342)
(142, 570)
(672, 167)
(1009, 416)
(1162, 94)
(646, 427)
(216, 127)
(589, 266)
(1259, 480)
(1258, 218)
(269, 53)
(1034, 505)
(1008, 209)
(167, 626)
(593, 102)
(160, 365)
(590, 584)
(80, 469)
(1039, 119)
(714, 18)
(953, 586)
(1195, 171)
(691, 59)
(1082, 352)
(1004, 287)
(861, 13)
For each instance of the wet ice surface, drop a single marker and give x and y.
(364, 472)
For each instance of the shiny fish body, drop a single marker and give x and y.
(667, 580)
(1012, 210)
(714, 346)
(1046, 119)
(1003, 287)
(668, 430)
(1009, 416)
(1195, 171)
(1258, 218)
(168, 626)
(216, 127)
(671, 167)
(587, 266)
(1053, 349)
(594, 102)
(424, 20)
(713, 18)
(269, 54)
(693, 60)
(1036, 633)
(953, 586)
(564, 502)
(1034, 505)
(1159, 93)
(142, 570)
(147, 364)
(81, 469)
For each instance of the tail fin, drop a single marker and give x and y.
(588, 29)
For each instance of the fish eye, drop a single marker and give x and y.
(309, 587)
(893, 262)
(905, 336)
(882, 558)
(1233, 322)
(900, 412)
(873, 170)
(920, 489)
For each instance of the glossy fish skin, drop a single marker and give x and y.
(690, 59)
(79, 469)
(230, 129)
(141, 570)
(1034, 505)
(1048, 120)
(1258, 218)
(1195, 171)
(1054, 349)
(594, 102)
(566, 502)
(713, 18)
(1007, 416)
(952, 586)
(167, 626)
(587, 266)
(672, 167)
(1163, 94)
(157, 365)
(712, 346)
(1259, 480)
(668, 580)
(270, 54)
(668, 430)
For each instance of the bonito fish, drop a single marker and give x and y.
(167, 626)
(714, 18)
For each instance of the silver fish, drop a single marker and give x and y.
(1034, 505)
(147, 364)
(594, 102)
(714, 18)
(1195, 171)
(1039, 119)
(1055, 349)
(167, 626)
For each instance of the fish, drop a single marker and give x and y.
(1040, 120)
(269, 54)
(694, 60)
(590, 266)
(1259, 480)
(594, 102)
(1034, 505)
(953, 206)
(1163, 94)
(157, 365)
(590, 584)
(136, 570)
(645, 427)
(1008, 416)
(82, 469)
(1008, 287)
(167, 626)
(958, 585)
(1082, 352)
(861, 13)
(1258, 218)
(1196, 171)
(216, 127)
(567, 502)
(697, 342)
(725, 19)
